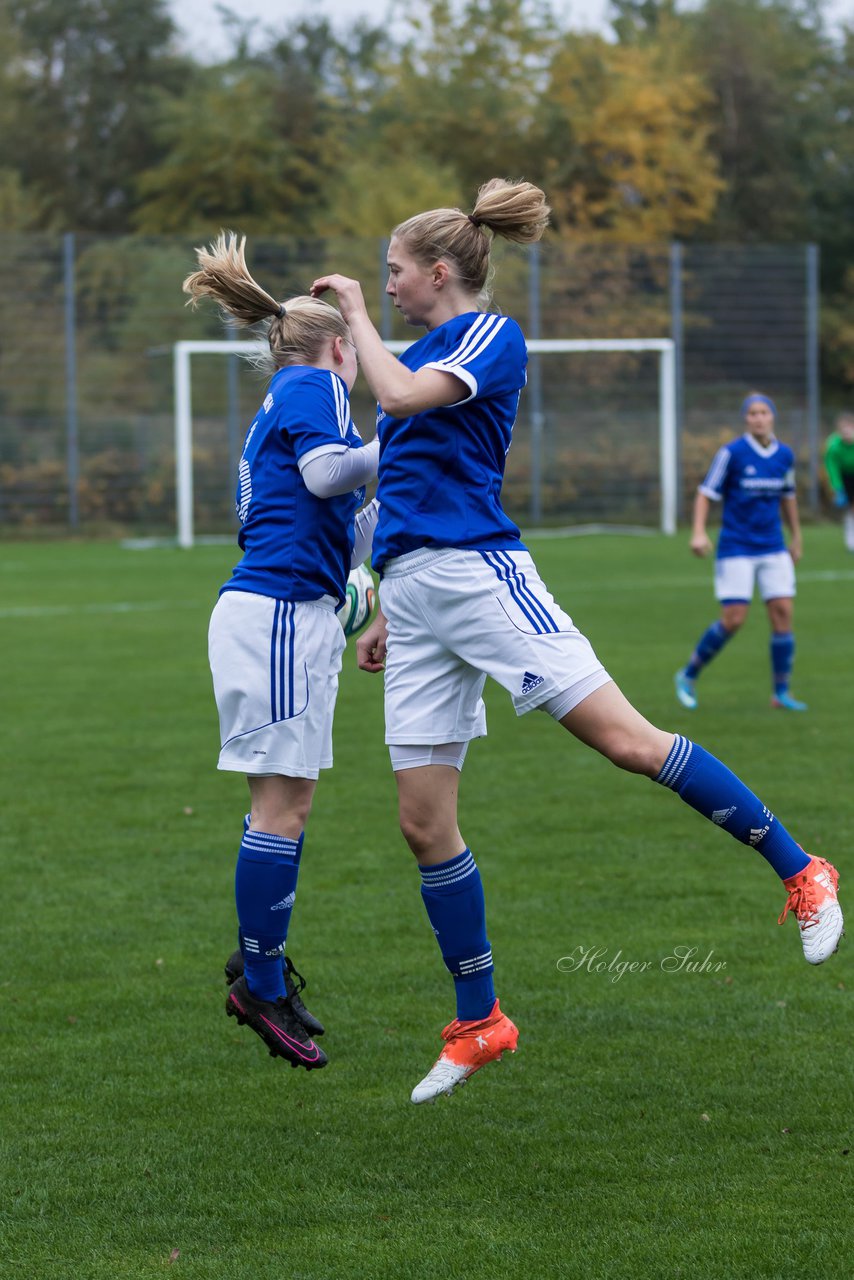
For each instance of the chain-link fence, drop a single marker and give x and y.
(87, 327)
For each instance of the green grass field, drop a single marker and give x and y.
(658, 1124)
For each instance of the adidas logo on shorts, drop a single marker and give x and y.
(530, 682)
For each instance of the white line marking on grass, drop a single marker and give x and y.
(825, 575)
(156, 544)
(154, 606)
(704, 583)
(582, 531)
(118, 606)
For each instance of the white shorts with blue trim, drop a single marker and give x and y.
(275, 666)
(455, 617)
(736, 576)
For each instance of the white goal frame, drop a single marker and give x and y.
(667, 442)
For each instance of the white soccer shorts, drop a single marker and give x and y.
(275, 666)
(736, 576)
(455, 617)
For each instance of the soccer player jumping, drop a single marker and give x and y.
(275, 643)
(460, 598)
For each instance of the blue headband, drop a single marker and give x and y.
(766, 400)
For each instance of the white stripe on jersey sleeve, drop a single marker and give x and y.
(342, 405)
(480, 324)
(711, 486)
(474, 342)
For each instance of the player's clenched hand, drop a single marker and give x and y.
(371, 645)
(347, 292)
(701, 544)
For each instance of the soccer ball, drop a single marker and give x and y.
(357, 608)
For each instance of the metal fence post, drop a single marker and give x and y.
(812, 362)
(72, 441)
(183, 441)
(677, 334)
(535, 387)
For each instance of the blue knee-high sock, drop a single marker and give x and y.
(782, 660)
(710, 643)
(264, 888)
(714, 791)
(453, 895)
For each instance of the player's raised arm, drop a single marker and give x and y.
(399, 390)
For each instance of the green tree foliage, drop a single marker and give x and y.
(782, 117)
(373, 191)
(629, 155)
(84, 75)
(465, 88)
(727, 120)
(784, 94)
(19, 207)
(718, 119)
(225, 161)
(255, 142)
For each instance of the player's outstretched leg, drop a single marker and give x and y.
(468, 1047)
(294, 984)
(277, 1025)
(708, 786)
(606, 720)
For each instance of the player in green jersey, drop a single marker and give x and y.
(839, 465)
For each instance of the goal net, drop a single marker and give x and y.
(595, 443)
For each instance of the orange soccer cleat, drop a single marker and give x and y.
(469, 1046)
(812, 898)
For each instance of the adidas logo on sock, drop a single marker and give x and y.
(285, 903)
(530, 682)
(759, 833)
(719, 816)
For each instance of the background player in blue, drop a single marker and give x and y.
(460, 598)
(754, 478)
(275, 642)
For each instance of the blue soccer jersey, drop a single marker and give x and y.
(441, 471)
(750, 479)
(295, 546)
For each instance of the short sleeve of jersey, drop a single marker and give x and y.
(712, 486)
(487, 357)
(316, 413)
